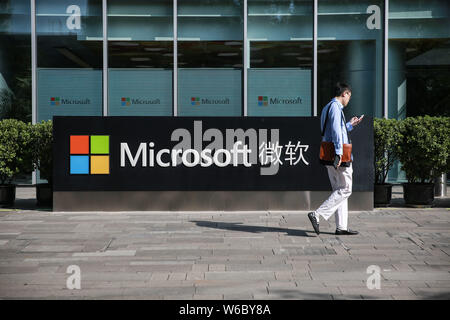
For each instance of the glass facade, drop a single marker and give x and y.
(140, 57)
(210, 51)
(280, 38)
(15, 64)
(419, 58)
(15, 60)
(69, 37)
(418, 61)
(350, 49)
(223, 57)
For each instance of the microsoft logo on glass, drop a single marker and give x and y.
(125, 101)
(195, 101)
(89, 154)
(262, 101)
(54, 101)
(265, 100)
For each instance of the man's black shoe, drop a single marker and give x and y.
(346, 232)
(315, 224)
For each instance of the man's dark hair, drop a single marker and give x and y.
(340, 88)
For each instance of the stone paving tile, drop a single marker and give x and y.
(333, 275)
(109, 253)
(233, 275)
(238, 296)
(382, 292)
(406, 297)
(177, 276)
(216, 267)
(207, 297)
(438, 284)
(86, 284)
(226, 255)
(258, 267)
(160, 276)
(418, 275)
(237, 289)
(51, 248)
(430, 267)
(435, 293)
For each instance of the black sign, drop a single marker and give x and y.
(201, 154)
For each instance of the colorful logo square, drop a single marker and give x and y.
(99, 164)
(100, 144)
(79, 144)
(262, 101)
(89, 154)
(79, 164)
(54, 101)
(125, 102)
(195, 101)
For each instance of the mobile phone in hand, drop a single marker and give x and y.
(337, 158)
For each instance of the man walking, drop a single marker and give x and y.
(340, 174)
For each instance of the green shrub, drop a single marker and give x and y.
(15, 149)
(386, 139)
(424, 148)
(42, 149)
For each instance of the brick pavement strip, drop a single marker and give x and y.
(223, 255)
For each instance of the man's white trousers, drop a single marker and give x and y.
(337, 202)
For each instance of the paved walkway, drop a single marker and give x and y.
(223, 255)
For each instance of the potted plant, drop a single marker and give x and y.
(386, 137)
(15, 156)
(43, 160)
(424, 154)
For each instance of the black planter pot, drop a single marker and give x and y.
(7, 195)
(418, 194)
(44, 194)
(382, 194)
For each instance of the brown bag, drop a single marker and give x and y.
(327, 152)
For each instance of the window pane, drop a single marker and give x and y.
(419, 58)
(69, 58)
(419, 62)
(281, 57)
(15, 64)
(140, 57)
(15, 60)
(210, 34)
(350, 49)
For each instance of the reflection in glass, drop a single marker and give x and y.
(15, 60)
(419, 58)
(15, 64)
(140, 57)
(419, 62)
(350, 49)
(210, 46)
(69, 58)
(281, 57)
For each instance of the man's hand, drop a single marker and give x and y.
(355, 120)
(337, 161)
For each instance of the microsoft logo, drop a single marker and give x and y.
(125, 101)
(262, 101)
(54, 101)
(195, 101)
(89, 154)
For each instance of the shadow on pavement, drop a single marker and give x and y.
(439, 296)
(238, 226)
(294, 294)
